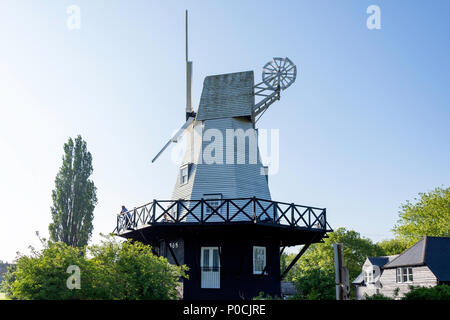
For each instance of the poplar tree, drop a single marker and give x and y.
(74, 196)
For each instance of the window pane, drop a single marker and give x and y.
(410, 274)
(215, 258)
(205, 257)
(259, 259)
(184, 175)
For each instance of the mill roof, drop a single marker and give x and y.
(227, 95)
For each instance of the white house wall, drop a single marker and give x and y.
(422, 276)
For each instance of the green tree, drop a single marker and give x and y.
(7, 281)
(320, 256)
(111, 270)
(429, 215)
(74, 196)
(356, 250)
(393, 246)
(315, 284)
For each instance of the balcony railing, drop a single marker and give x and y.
(226, 211)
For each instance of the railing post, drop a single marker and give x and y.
(292, 214)
(118, 220)
(178, 211)
(228, 210)
(201, 210)
(275, 205)
(134, 217)
(309, 217)
(324, 218)
(154, 211)
(254, 209)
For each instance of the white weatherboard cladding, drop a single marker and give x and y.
(230, 180)
(226, 103)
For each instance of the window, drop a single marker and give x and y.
(184, 174)
(410, 275)
(404, 275)
(214, 203)
(210, 266)
(259, 259)
(368, 276)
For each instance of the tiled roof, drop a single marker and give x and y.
(381, 261)
(431, 251)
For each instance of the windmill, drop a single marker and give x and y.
(221, 220)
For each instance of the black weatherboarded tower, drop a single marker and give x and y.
(221, 220)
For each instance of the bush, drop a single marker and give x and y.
(377, 296)
(439, 292)
(111, 270)
(262, 296)
(315, 284)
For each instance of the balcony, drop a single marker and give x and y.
(219, 212)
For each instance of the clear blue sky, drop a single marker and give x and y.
(364, 128)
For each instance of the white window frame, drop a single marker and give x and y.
(216, 196)
(182, 168)
(210, 279)
(403, 272)
(369, 276)
(255, 271)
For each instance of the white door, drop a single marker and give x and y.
(210, 265)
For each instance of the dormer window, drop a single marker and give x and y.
(184, 174)
(369, 276)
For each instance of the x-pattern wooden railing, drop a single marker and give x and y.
(205, 211)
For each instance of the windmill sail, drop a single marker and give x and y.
(175, 137)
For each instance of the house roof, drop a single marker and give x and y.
(431, 251)
(437, 257)
(412, 256)
(227, 95)
(359, 279)
(381, 261)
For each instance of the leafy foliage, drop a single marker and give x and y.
(74, 196)
(315, 284)
(393, 246)
(314, 273)
(113, 271)
(7, 280)
(356, 250)
(428, 216)
(263, 296)
(377, 296)
(439, 292)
